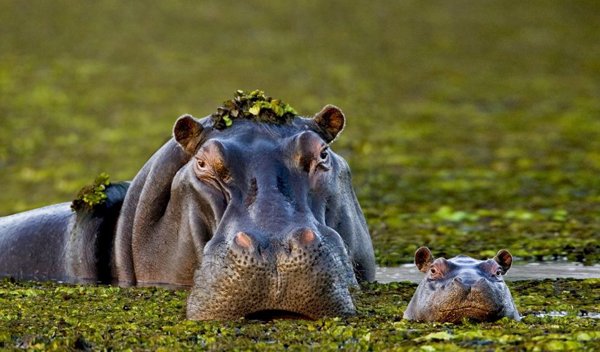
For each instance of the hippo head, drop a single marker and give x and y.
(273, 218)
(461, 288)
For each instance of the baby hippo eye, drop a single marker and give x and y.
(435, 273)
(498, 272)
(201, 163)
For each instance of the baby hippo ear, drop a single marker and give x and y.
(504, 259)
(330, 121)
(188, 133)
(423, 258)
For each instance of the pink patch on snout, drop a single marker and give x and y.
(307, 237)
(243, 240)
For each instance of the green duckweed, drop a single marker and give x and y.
(49, 316)
(255, 106)
(92, 195)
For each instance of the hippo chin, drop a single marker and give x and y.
(260, 218)
(461, 288)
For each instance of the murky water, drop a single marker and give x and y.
(525, 271)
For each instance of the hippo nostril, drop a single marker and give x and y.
(306, 237)
(300, 240)
(459, 282)
(243, 240)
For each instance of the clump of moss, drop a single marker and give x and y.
(92, 195)
(255, 106)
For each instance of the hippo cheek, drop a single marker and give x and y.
(302, 277)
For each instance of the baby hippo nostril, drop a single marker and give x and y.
(243, 240)
(459, 282)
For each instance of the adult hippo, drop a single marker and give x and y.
(461, 288)
(249, 206)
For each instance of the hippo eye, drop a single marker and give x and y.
(324, 158)
(433, 271)
(499, 272)
(324, 154)
(202, 168)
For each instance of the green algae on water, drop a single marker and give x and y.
(50, 316)
(255, 106)
(92, 195)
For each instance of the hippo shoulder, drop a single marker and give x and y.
(89, 246)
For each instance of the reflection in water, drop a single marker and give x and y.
(559, 314)
(526, 271)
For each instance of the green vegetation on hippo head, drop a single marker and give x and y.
(92, 195)
(255, 106)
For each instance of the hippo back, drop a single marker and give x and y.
(58, 243)
(32, 243)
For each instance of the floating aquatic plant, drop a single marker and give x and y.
(92, 195)
(255, 106)
(50, 316)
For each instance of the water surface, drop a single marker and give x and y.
(525, 271)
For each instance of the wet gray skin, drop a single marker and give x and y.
(461, 288)
(260, 219)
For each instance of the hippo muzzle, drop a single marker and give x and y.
(477, 301)
(301, 276)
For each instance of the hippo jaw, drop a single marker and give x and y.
(308, 282)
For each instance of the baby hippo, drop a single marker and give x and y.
(461, 287)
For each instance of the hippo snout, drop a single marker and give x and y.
(470, 284)
(471, 293)
(301, 274)
(297, 242)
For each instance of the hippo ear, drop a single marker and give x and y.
(330, 121)
(504, 259)
(423, 258)
(188, 133)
